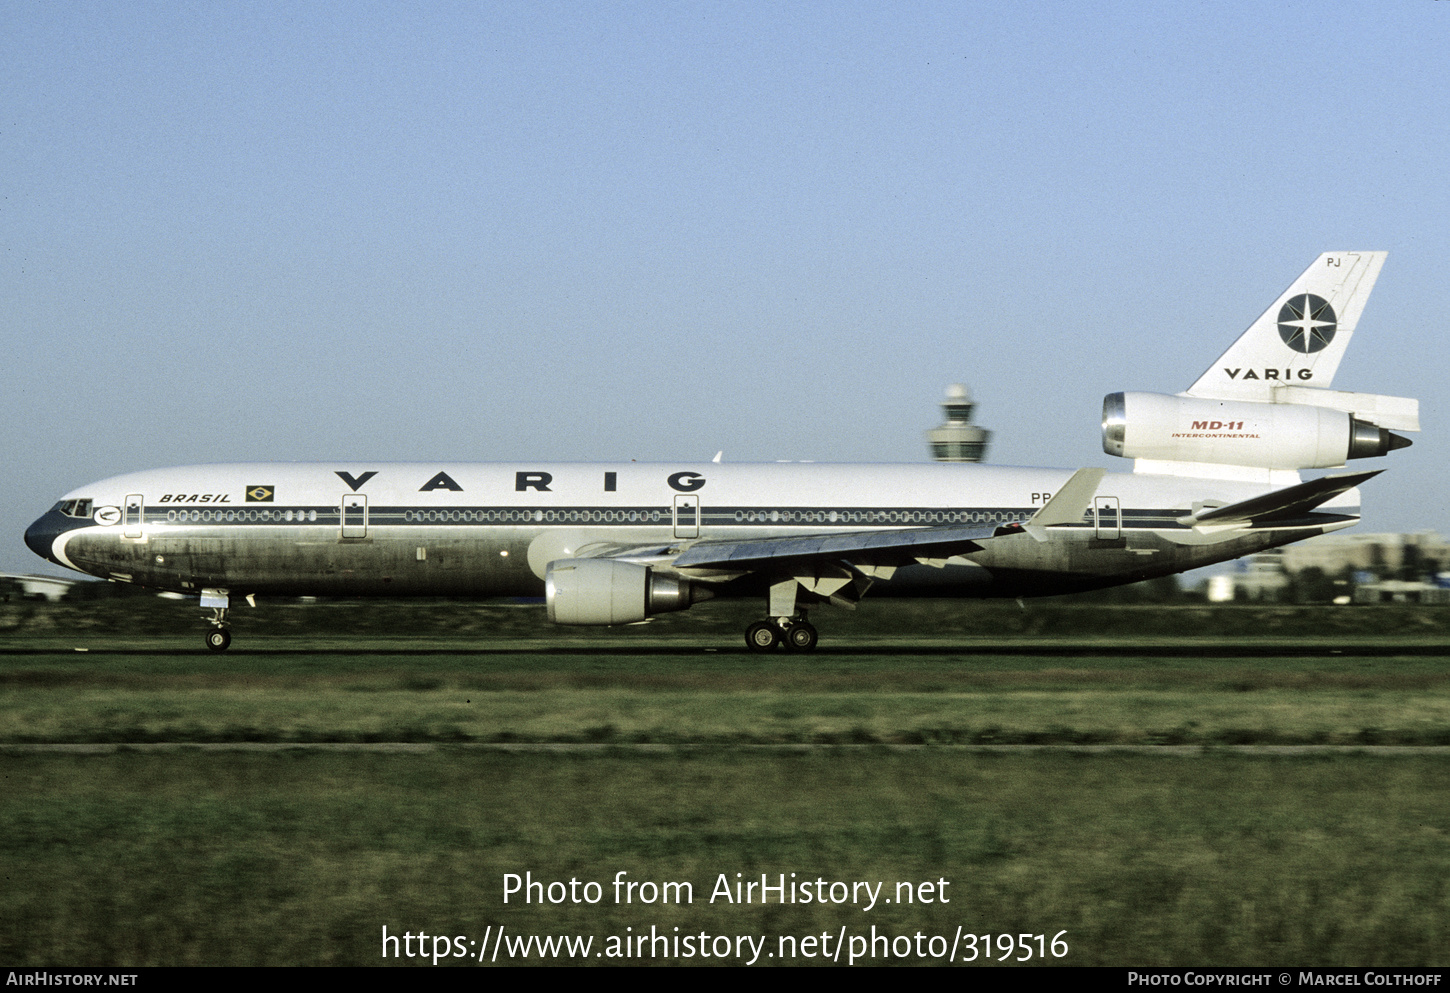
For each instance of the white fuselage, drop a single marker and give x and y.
(479, 530)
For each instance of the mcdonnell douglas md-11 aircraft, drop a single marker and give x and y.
(1216, 476)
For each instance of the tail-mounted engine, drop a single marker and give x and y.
(605, 591)
(1239, 433)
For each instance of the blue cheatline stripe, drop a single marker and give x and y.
(834, 518)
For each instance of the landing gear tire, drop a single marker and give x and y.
(218, 640)
(801, 637)
(762, 636)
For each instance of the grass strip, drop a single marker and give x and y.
(302, 857)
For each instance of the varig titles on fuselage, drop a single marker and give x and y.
(524, 481)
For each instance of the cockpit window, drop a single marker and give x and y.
(75, 508)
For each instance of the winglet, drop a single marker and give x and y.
(1068, 504)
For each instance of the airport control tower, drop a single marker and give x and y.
(958, 439)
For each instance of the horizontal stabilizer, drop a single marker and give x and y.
(1284, 504)
(1395, 413)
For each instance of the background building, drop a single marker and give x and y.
(1343, 568)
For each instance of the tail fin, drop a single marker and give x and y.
(1300, 339)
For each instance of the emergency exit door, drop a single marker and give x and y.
(1109, 518)
(133, 513)
(687, 516)
(354, 515)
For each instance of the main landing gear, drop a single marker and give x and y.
(786, 624)
(795, 634)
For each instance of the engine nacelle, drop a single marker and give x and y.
(1236, 432)
(603, 591)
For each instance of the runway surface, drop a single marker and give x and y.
(569, 748)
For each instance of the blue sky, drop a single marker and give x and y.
(654, 231)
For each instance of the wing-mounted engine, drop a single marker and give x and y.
(607, 591)
(1245, 433)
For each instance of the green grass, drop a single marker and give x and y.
(133, 859)
(718, 698)
(303, 856)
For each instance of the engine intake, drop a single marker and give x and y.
(604, 591)
(1243, 433)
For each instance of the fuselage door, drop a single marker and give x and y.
(1109, 520)
(687, 516)
(354, 515)
(133, 511)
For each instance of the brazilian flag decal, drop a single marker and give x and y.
(260, 494)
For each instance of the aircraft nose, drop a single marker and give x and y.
(41, 535)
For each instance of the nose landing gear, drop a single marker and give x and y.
(220, 636)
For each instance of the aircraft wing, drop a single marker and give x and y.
(853, 546)
(1067, 506)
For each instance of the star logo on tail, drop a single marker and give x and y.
(1306, 322)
